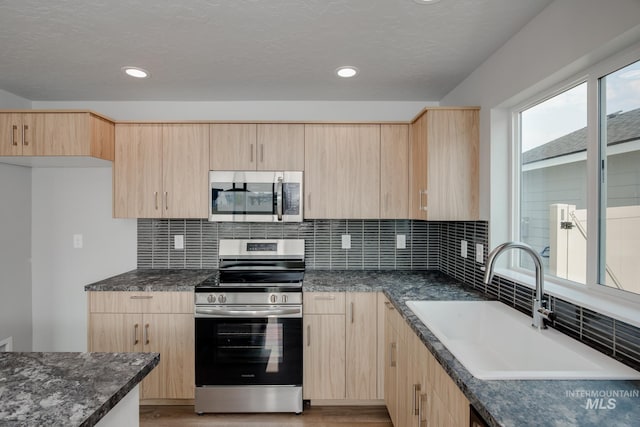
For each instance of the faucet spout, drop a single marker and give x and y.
(540, 311)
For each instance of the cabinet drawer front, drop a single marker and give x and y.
(324, 302)
(141, 302)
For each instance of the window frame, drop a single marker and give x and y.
(592, 288)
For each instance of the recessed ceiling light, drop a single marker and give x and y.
(426, 1)
(136, 72)
(347, 71)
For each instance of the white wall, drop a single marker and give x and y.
(15, 245)
(564, 38)
(15, 254)
(66, 202)
(247, 110)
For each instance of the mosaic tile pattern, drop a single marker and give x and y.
(373, 243)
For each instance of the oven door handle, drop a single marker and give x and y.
(223, 312)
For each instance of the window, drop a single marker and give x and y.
(619, 265)
(553, 182)
(578, 169)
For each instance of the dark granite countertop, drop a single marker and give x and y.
(501, 403)
(153, 280)
(67, 389)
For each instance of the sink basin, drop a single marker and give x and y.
(496, 342)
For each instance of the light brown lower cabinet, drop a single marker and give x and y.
(159, 322)
(340, 346)
(423, 394)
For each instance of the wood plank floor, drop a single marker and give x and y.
(316, 416)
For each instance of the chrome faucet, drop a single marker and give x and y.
(540, 310)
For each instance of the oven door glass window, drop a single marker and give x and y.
(243, 198)
(264, 351)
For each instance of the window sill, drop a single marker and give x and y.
(616, 308)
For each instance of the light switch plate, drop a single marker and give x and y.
(346, 241)
(401, 241)
(77, 241)
(463, 248)
(178, 241)
(479, 253)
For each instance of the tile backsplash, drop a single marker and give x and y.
(373, 242)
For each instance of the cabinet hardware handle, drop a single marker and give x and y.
(261, 153)
(416, 403)
(308, 335)
(166, 201)
(420, 194)
(422, 420)
(325, 298)
(251, 154)
(155, 194)
(351, 309)
(392, 362)
(135, 334)
(14, 140)
(309, 201)
(146, 334)
(141, 297)
(25, 128)
(389, 305)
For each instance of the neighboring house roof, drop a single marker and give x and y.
(621, 127)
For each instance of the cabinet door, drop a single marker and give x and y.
(280, 147)
(453, 164)
(391, 364)
(171, 335)
(342, 171)
(115, 332)
(11, 134)
(185, 168)
(418, 174)
(324, 356)
(137, 171)
(361, 341)
(60, 134)
(394, 171)
(232, 146)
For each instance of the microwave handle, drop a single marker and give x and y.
(279, 199)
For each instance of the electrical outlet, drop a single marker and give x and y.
(463, 248)
(346, 241)
(178, 241)
(77, 241)
(480, 253)
(401, 241)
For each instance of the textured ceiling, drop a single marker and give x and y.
(250, 49)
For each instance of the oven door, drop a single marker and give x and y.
(255, 196)
(249, 349)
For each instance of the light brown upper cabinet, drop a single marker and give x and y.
(342, 171)
(394, 171)
(56, 134)
(444, 174)
(249, 146)
(161, 171)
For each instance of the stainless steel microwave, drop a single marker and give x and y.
(255, 196)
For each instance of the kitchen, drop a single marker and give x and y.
(46, 207)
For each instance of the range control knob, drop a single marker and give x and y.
(284, 299)
(222, 299)
(211, 299)
(273, 298)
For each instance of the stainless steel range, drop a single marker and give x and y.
(249, 329)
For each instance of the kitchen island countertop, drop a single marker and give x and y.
(67, 389)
